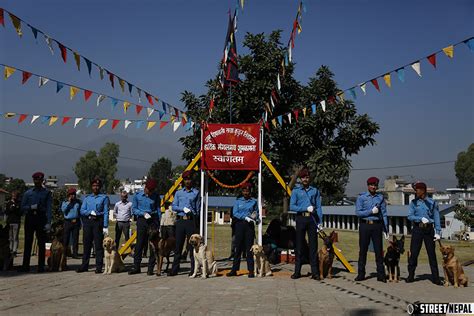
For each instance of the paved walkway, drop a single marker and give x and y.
(87, 293)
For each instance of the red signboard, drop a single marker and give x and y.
(230, 147)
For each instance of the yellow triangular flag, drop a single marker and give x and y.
(77, 57)
(388, 80)
(173, 118)
(299, 28)
(274, 123)
(304, 112)
(449, 51)
(103, 122)
(53, 120)
(126, 105)
(122, 84)
(17, 24)
(150, 125)
(9, 71)
(72, 92)
(9, 115)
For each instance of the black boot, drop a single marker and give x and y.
(134, 270)
(359, 278)
(295, 276)
(411, 278)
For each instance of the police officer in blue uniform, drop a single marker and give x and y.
(424, 214)
(306, 202)
(36, 205)
(146, 208)
(95, 221)
(372, 212)
(187, 206)
(71, 210)
(245, 216)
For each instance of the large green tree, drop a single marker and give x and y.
(103, 165)
(464, 167)
(161, 171)
(323, 141)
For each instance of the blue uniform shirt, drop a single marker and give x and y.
(142, 204)
(301, 198)
(41, 197)
(184, 198)
(71, 210)
(98, 203)
(366, 202)
(244, 208)
(427, 208)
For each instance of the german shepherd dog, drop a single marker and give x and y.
(162, 248)
(326, 256)
(57, 259)
(392, 258)
(6, 257)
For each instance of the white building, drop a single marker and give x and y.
(133, 186)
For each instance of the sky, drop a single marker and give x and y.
(167, 47)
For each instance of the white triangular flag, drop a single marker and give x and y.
(100, 98)
(278, 82)
(271, 101)
(42, 81)
(127, 122)
(192, 124)
(323, 105)
(34, 118)
(289, 117)
(176, 125)
(48, 41)
(77, 120)
(150, 111)
(416, 67)
(362, 87)
(289, 53)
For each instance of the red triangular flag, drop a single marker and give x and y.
(26, 76)
(432, 59)
(163, 124)
(211, 105)
(296, 113)
(376, 84)
(22, 118)
(2, 19)
(115, 123)
(111, 78)
(332, 99)
(65, 120)
(138, 108)
(149, 98)
(183, 121)
(87, 94)
(63, 51)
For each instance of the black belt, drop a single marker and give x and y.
(365, 221)
(304, 214)
(423, 225)
(185, 217)
(95, 217)
(73, 220)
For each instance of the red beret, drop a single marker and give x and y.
(151, 184)
(420, 185)
(38, 175)
(96, 181)
(373, 180)
(187, 174)
(303, 173)
(246, 185)
(71, 191)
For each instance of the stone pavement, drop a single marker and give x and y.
(87, 293)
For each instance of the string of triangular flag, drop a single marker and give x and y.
(399, 71)
(88, 94)
(51, 120)
(17, 24)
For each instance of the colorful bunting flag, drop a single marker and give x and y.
(115, 123)
(139, 124)
(65, 120)
(148, 97)
(470, 43)
(126, 105)
(416, 67)
(42, 81)
(401, 74)
(8, 71)
(26, 76)
(114, 102)
(22, 118)
(102, 122)
(35, 32)
(313, 108)
(323, 105)
(59, 86)
(34, 118)
(376, 84)
(387, 79)
(304, 112)
(89, 65)
(77, 120)
(127, 123)
(289, 117)
(89, 122)
(53, 120)
(2, 18)
(111, 78)
(122, 84)
(432, 59)
(16, 23)
(362, 87)
(72, 92)
(163, 124)
(77, 58)
(100, 98)
(175, 126)
(150, 111)
(150, 125)
(130, 87)
(48, 42)
(353, 93)
(138, 108)
(87, 95)
(45, 119)
(63, 51)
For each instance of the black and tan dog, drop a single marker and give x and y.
(6, 257)
(392, 258)
(57, 259)
(162, 248)
(453, 271)
(326, 256)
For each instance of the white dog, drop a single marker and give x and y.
(113, 260)
(262, 266)
(203, 258)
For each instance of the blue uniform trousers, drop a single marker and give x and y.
(303, 225)
(418, 236)
(92, 233)
(366, 233)
(34, 224)
(244, 238)
(184, 229)
(143, 225)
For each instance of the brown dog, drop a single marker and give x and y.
(57, 260)
(162, 248)
(203, 258)
(326, 256)
(262, 266)
(453, 271)
(113, 260)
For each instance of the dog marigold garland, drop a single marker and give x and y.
(227, 186)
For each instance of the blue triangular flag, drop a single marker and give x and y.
(161, 113)
(286, 58)
(163, 103)
(353, 93)
(59, 86)
(280, 120)
(313, 108)
(89, 122)
(130, 86)
(114, 102)
(187, 126)
(35, 32)
(401, 74)
(470, 43)
(139, 124)
(89, 65)
(45, 119)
